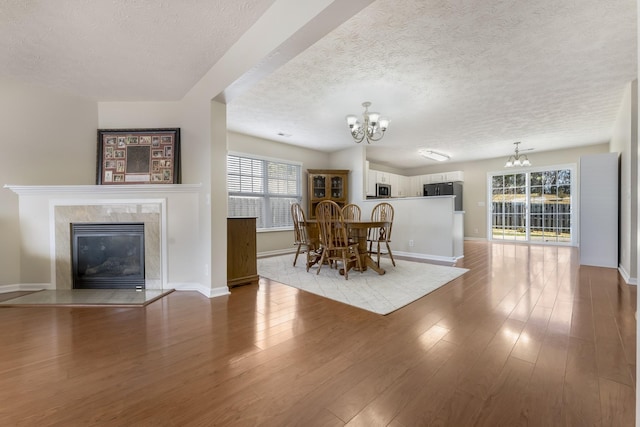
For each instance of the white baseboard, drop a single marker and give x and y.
(25, 287)
(483, 239)
(208, 292)
(625, 275)
(427, 257)
(204, 290)
(277, 252)
(9, 288)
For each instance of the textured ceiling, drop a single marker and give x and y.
(467, 78)
(120, 49)
(464, 78)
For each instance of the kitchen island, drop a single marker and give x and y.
(424, 227)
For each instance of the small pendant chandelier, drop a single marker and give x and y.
(518, 159)
(372, 128)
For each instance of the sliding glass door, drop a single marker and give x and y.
(533, 206)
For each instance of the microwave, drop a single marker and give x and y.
(383, 190)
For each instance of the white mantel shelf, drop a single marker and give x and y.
(103, 189)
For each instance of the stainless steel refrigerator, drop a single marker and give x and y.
(445, 189)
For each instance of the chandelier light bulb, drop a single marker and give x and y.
(351, 120)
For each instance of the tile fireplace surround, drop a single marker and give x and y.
(169, 212)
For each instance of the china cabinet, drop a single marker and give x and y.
(327, 184)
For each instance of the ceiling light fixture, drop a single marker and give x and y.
(372, 128)
(433, 155)
(518, 159)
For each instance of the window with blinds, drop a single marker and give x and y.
(264, 189)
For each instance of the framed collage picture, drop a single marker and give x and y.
(138, 156)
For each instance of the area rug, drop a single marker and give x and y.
(87, 298)
(370, 291)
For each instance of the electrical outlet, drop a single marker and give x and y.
(410, 243)
(475, 231)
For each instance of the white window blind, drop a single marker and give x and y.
(264, 189)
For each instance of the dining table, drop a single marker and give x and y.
(357, 229)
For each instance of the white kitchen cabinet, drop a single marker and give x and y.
(372, 176)
(415, 185)
(383, 177)
(395, 184)
(454, 176)
(436, 177)
(400, 185)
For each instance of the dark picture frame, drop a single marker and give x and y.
(138, 156)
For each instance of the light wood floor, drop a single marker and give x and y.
(527, 337)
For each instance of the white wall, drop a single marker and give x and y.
(47, 138)
(352, 159)
(625, 132)
(132, 115)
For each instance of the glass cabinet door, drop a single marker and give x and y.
(319, 186)
(337, 187)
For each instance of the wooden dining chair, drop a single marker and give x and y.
(302, 240)
(333, 234)
(381, 235)
(351, 211)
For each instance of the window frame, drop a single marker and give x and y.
(267, 217)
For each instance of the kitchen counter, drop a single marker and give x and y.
(424, 227)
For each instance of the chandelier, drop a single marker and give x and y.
(518, 159)
(372, 127)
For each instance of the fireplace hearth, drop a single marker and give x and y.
(107, 255)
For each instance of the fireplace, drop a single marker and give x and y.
(107, 255)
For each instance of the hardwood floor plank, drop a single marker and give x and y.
(530, 340)
(544, 401)
(612, 357)
(481, 378)
(503, 406)
(394, 396)
(617, 403)
(438, 390)
(581, 403)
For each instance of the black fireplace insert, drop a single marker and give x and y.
(107, 255)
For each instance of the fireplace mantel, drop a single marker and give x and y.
(174, 210)
(103, 189)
